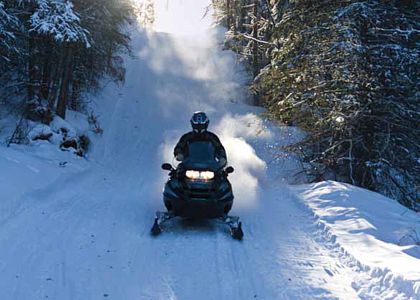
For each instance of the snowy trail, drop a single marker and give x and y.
(87, 236)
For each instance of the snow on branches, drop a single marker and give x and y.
(58, 19)
(8, 22)
(347, 73)
(52, 52)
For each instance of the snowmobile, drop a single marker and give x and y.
(198, 188)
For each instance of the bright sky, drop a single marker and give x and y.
(182, 17)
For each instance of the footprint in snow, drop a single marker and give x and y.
(328, 272)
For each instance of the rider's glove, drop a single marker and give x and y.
(179, 157)
(222, 160)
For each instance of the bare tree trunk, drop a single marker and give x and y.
(55, 80)
(255, 45)
(46, 72)
(65, 82)
(241, 18)
(228, 12)
(255, 36)
(31, 69)
(75, 94)
(269, 12)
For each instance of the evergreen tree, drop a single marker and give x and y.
(65, 48)
(347, 73)
(8, 23)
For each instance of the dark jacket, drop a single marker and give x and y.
(182, 146)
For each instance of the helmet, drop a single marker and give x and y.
(199, 122)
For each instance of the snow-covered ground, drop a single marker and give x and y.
(372, 234)
(80, 229)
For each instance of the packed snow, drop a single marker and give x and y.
(78, 228)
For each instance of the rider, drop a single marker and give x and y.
(199, 122)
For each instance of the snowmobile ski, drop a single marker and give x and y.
(156, 230)
(235, 226)
(160, 218)
(237, 232)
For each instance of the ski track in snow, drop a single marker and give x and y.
(85, 235)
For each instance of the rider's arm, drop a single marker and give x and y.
(220, 150)
(179, 151)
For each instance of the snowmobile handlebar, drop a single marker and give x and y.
(167, 167)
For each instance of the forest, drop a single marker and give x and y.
(347, 73)
(54, 52)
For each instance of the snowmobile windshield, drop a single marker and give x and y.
(201, 156)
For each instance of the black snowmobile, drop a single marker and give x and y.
(199, 189)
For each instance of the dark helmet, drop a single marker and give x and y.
(199, 122)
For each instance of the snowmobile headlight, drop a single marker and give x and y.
(199, 175)
(192, 174)
(207, 175)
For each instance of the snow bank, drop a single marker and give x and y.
(71, 133)
(76, 124)
(379, 235)
(25, 170)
